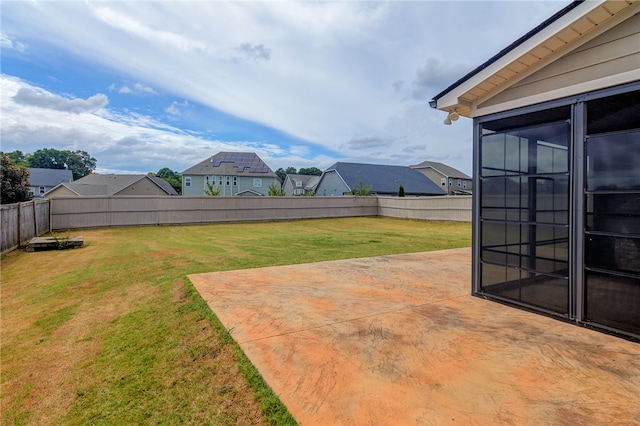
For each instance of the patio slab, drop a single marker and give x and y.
(399, 340)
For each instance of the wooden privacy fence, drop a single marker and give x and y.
(22, 221)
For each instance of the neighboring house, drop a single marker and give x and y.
(342, 178)
(300, 184)
(451, 180)
(43, 180)
(234, 173)
(556, 139)
(111, 184)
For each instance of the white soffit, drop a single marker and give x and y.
(579, 25)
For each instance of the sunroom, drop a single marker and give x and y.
(556, 119)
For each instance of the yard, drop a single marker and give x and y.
(113, 332)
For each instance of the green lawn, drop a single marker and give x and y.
(114, 333)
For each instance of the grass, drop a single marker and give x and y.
(114, 333)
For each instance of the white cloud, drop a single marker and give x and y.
(133, 26)
(174, 108)
(7, 43)
(139, 87)
(254, 52)
(30, 96)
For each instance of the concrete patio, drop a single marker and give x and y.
(399, 340)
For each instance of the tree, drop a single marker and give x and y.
(401, 191)
(361, 190)
(281, 174)
(172, 177)
(79, 162)
(15, 181)
(18, 158)
(311, 171)
(211, 190)
(274, 191)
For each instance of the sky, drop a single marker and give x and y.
(144, 85)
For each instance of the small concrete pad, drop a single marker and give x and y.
(399, 340)
(52, 243)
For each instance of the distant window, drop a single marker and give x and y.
(235, 181)
(41, 190)
(297, 191)
(443, 181)
(459, 183)
(450, 182)
(228, 180)
(257, 183)
(298, 184)
(187, 181)
(464, 184)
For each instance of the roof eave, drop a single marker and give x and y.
(453, 98)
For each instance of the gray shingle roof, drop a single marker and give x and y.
(442, 168)
(111, 184)
(308, 181)
(48, 177)
(231, 164)
(385, 179)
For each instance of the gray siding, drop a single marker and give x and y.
(243, 183)
(331, 184)
(615, 52)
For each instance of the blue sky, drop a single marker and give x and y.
(145, 85)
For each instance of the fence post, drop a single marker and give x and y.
(35, 219)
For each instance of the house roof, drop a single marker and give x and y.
(163, 184)
(443, 169)
(111, 184)
(231, 164)
(307, 181)
(48, 177)
(569, 28)
(385, 179)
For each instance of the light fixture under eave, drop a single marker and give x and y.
(447, 121)
(453, 115)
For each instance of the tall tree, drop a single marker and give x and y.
(172, 177)
(312, 171)
(281, 174)
(14, 186)
(18, 158)
(79, 162)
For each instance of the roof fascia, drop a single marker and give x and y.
(569, 90)
(449, 98)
